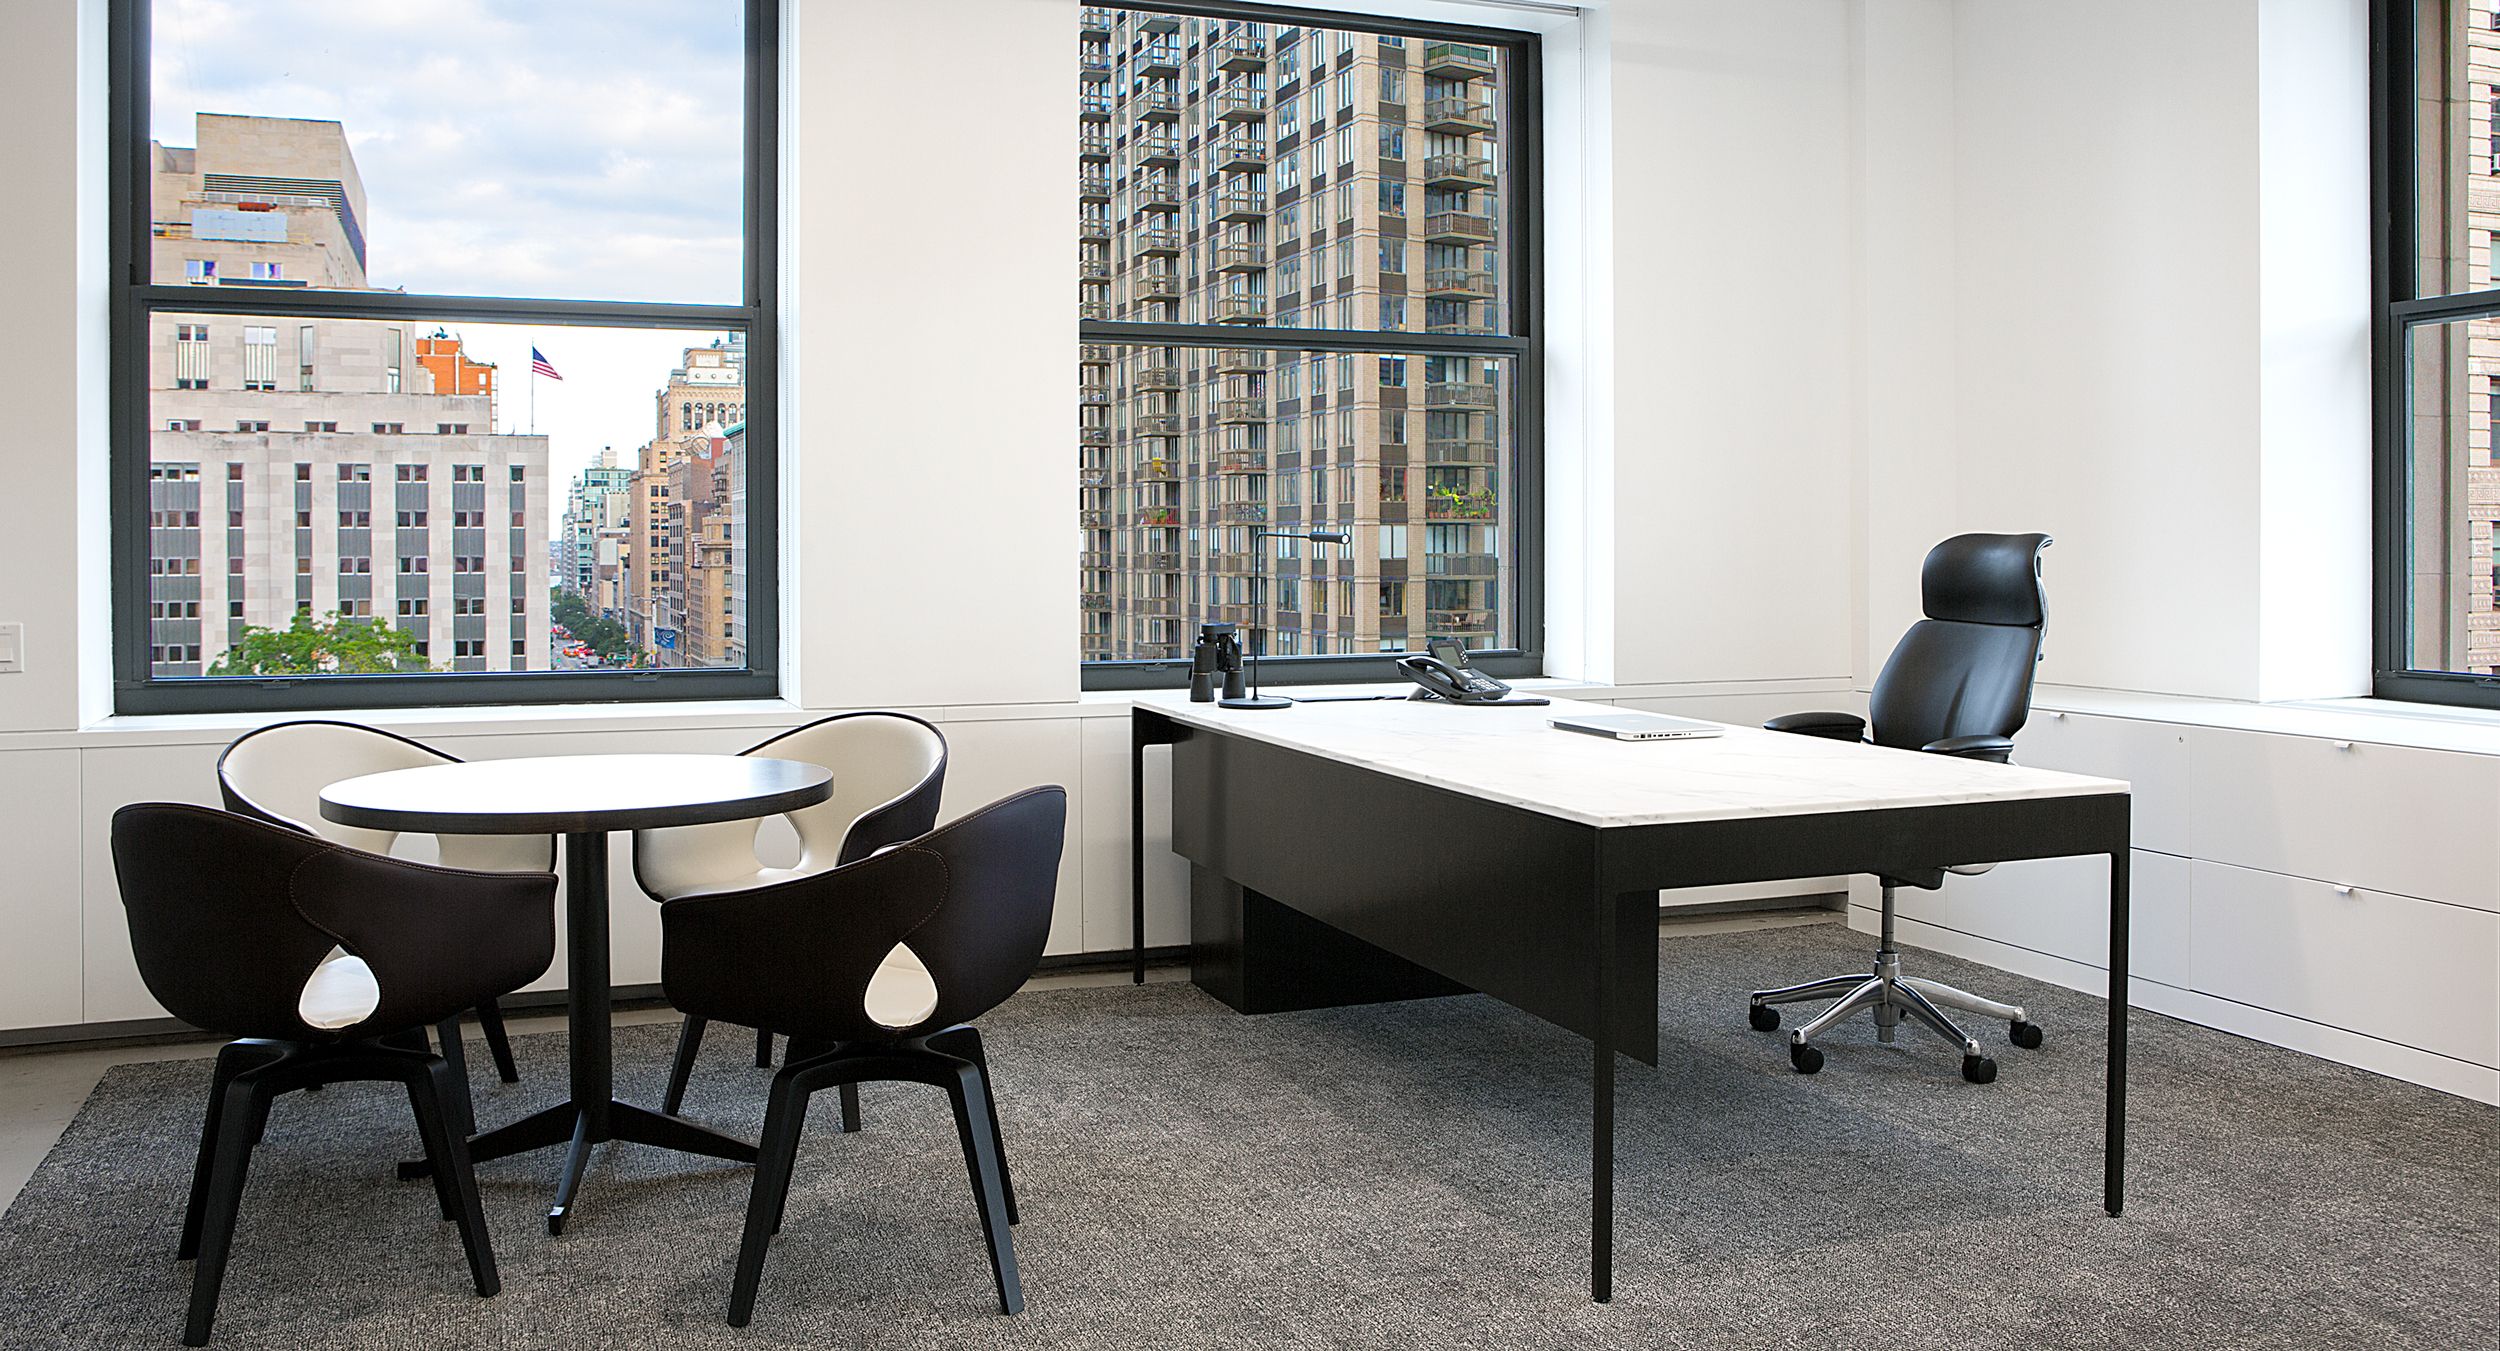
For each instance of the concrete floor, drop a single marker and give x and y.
(42, 1089)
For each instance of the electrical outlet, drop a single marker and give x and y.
(12, 648)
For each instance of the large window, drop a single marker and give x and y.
(443, 354)
(1307, 281)
(2437, 189)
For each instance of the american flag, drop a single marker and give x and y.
(540, 366)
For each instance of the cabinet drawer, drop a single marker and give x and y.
(2060, 906)
(2151, 756)
(2414, 972)
(2390, 818)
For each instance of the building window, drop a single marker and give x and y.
(259, 253)
(2436, 355)
(1220, 418)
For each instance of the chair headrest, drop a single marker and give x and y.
(1986, 579)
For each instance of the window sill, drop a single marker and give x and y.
(175, 729)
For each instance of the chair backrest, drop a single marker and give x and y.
(971, 901)
(276, 774)
(232, 918)
(888, 770)
(1966, 669)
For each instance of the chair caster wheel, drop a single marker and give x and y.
(1979, 1069)
(1763, 1017)
(1806, 1056)
(2026, 1035)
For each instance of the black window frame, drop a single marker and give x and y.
(1522, 343)
(2398, 306)
(135, 297)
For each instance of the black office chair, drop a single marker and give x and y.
(1959, 683)
(276, 774)
(969, 901)
(235, 922)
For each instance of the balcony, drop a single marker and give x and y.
(1095, 354)
(1093, 600)
(1093, 436)
(1245, 151)
(1458, 115)
(1094, 63)
(1459, 394)
(1155, 105)
(1093, 183)
(1239, 102)
(1240, 255)
(1253, 409)
(1090, 477)
(1094, 142)
(1156, 195)
(1155, 239)
(1093, 269)
(1094, 107)
(1093, 309)
(1241, 309)
(1156, 148)
(1093, 393)
(1476, 283)
(1240, 361)
(1241, 462)
(1241, 51)
(1158, 60)
(1158, 377)
(1242, 513)
(1157, 469)
(1153, 286)
(1460, 450)
(1241, 204)
(1167, 607)
(1159, 516)
(1447, 506)
(1461, 565)
(1457, 623)
(1156, 424)
(1155, 562)
(1159, 23)
(1465, 171)
(1093, 228)
(1467, 227)
(1094, 21)
(1093, 518)
(1458, 61)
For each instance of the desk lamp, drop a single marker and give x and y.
(1258, 635)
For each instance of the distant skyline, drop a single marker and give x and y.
(582, 149)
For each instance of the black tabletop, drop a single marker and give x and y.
(566, 794)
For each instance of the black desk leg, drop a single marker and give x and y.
(587, 1002)
(2114, 1163)
(1602, 1113)
(1137, 842)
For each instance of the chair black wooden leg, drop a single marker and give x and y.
(785, 1115)
(435, 1091)
(980, 1141)
(498, 1042)
(681, 1068)
(850, 1108)
(456, 1055)
(238, 1107)
(763, 1049)
(966, 1042)
(804, 1050)
(232, 1059)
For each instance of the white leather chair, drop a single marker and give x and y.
(888, 771)
(276, 774)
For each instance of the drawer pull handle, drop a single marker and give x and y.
(2343, 745)
(2057, 717)
(2343, 891)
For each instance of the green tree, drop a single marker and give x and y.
(604, 636)
(333, 645)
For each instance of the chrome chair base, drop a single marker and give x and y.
(1890, 997)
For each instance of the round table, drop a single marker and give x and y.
(583, 798)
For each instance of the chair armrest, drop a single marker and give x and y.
(438, 939)
(1997, 748)
(1830, 726)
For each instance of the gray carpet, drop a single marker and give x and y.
(1410, 1175)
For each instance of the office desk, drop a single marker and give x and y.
(1360, 852)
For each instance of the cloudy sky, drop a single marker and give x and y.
(587, 149)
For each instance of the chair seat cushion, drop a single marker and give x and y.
(340, 992)
(902, 993)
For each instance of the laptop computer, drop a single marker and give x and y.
(1639, 726)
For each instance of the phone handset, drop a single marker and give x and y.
(1445, 675)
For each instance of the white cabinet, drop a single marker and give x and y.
(2060, 906)
(2410, 971)
(2390, 818)
(2151, 756)
(41, 910)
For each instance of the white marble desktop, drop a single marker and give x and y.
(1513, 756)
